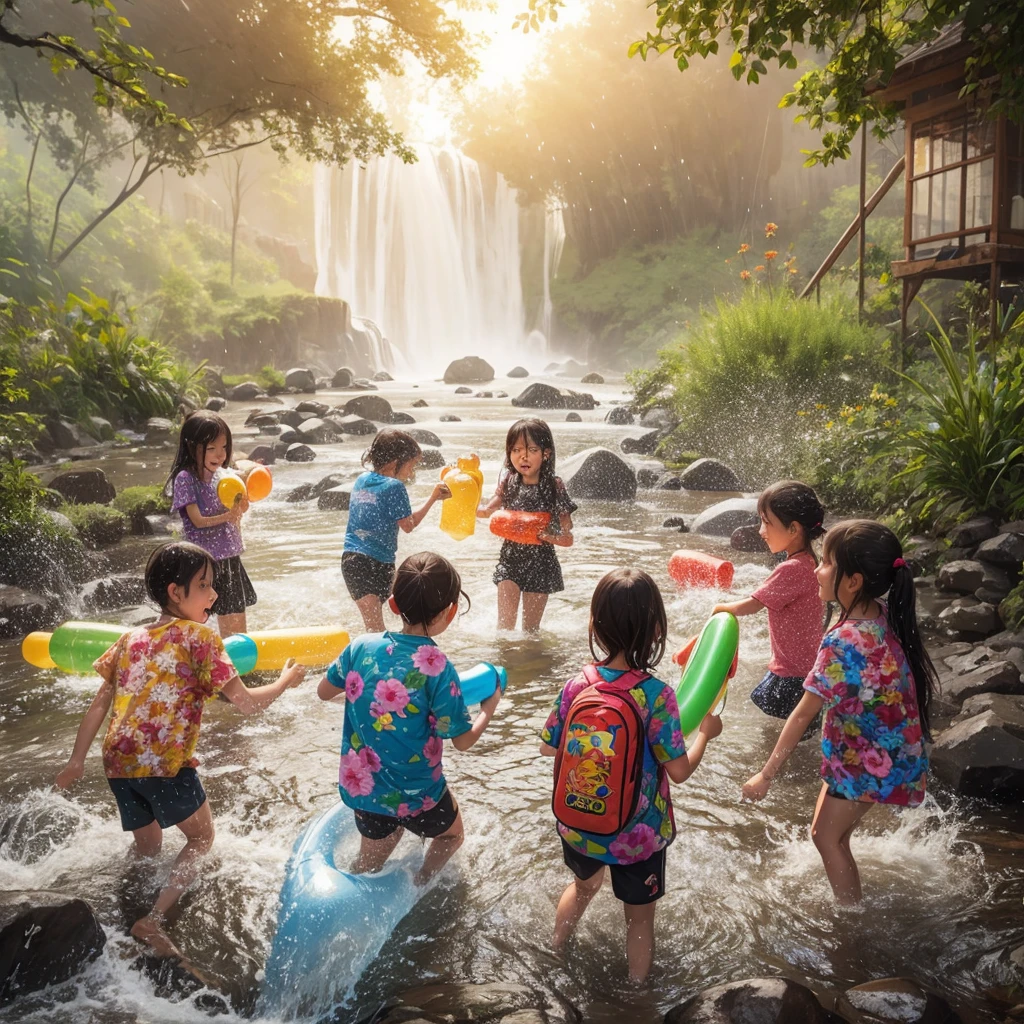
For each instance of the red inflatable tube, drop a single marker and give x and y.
(521, 527)
(697, 569)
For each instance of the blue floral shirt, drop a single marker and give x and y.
(653, 827)
(377, 503)
(402, 701)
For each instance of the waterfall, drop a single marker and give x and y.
(429, 251)
(554, 240)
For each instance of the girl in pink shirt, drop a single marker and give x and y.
(791, 518)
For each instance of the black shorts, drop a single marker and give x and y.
(429, 824)
(635, 884)
(533, 568)
(365, 575)
(167, 801)
(234, 588)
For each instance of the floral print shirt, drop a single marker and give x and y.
(163, 676)
(871, 740)
(402, 700)
(653, 827)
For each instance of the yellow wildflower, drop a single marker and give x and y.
(770, 229)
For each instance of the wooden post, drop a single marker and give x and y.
(862, 217)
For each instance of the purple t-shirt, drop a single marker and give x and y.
(222, 541)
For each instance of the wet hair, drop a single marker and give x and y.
(873, 550)
(531, 431)
(627, 616)
(424, 586)
(198, 431)
(791, 501)
(175, 562)
(391, 446)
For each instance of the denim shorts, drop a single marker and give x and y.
(168, 801)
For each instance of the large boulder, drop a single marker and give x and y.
(963, 576)
(84, 487)
(981, 754)
(299, 453)
(969, 615)
(66, 434)
(431, 458)
(317, 431)
(544, 396)
(401, 419)
(336, 499)
(754, 1001)
(620, 415)
(973, 532)
(320, 409)
(657, 417)
(101, 428)
(22, 611)
(710, 475)
(422, 436)
(370, 407)
(895, 1001)
(469, 370)
(342, 378)
(722, 518)
(264, 454)
(644, 445)
(748, 538)
(300, 378)
(215, 403)
(294, 418)
(591, 378)
(600, 474)
(518, 371)
(245, 392)
(999, 675)
(116, 591)
(159, 429)
(1005, 549)
(353, 425)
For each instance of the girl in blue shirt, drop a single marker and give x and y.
(403, 701)
(379, 506)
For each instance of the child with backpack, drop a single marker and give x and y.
(617, 741)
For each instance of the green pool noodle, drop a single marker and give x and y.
(707, 670)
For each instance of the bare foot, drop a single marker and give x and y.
(148, 931)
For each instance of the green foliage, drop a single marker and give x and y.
(1011, 608)
(748, 370)
(267, 378)
(97, 524)
(135, 503)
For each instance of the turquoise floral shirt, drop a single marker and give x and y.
(653, 827)
(402, 700)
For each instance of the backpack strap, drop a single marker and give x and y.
(626, 681)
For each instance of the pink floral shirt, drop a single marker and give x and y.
(163, 675)
(402, 700)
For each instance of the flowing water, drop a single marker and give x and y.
(746, 893)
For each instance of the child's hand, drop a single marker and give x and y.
(235, 513)
(441, 492)
(721, 608)
(756, 787)
(711, 726)
(491, 703)
(70, 775)
(293, 673)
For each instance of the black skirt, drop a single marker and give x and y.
(234, 588)
(533, 568)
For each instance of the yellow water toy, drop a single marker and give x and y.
(466, 482)
(310, 646)
(230, 489)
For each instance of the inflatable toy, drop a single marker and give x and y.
(466, 482)
(521, 527)
(35, 649)
(230, 489)
(259, 483)
(479, 682)
(311, 646)
(697, 569)
(709, 663)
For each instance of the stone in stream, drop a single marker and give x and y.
(245, 392)
(463, 391)
(422, 436)
(402, 418)
(316, 431)
(84, 487)
(710, 475)
(300, 378)
(484, 394)
(158, 430)
(288, 435)
(469, 370)
(969, 615)
(598, 473)
(305, 492)
(676, 523)
(895, 1001)
(720, 519)
(101, 428)
(370, 407)
(501, 394)
(320, 409)
(591, 378)
(382, 375)
(1005, 549)
(22, 611)
(753, 1001)
(342, 378)
(644, 445)
(748, 538)
(620, 415)
(518, 371)
(299, 453)
(647, 477)
(972, 533)
(116, 591)
(337, 499)
(431, 458)
(263, 453)
(449, 418)
(544, 396)
(963, 576)
(420, 403)
(995, 676)
(353, 424)
(573, 417)
(293, 418)
(65, 434)
(669, 482)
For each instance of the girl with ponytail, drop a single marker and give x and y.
(874, 680)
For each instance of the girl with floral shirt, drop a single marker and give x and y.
(156, 682)
(628, 623)
(874, 679)
(402, 701)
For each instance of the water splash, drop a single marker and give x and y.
(554, 242)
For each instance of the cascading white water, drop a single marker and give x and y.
(430, 251)
(554, 241)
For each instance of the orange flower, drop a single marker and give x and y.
(745, 275)
(742, 249)
(761, 267)
(792, 270)
(770, 229)
(771, 254)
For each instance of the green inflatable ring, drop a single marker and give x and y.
(707, 670)
(76, 645)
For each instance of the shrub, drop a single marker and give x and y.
(1011, 608)
(138, 502)
(97, 524)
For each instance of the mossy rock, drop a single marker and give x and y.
(42, 551)
(138, 502)
(1011, 608)
(97, 525)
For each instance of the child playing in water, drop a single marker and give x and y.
(402, 702)
(157, 679)
(204, 449)
(528, 484)
(874, 679)
(378, 507)
(791, 518)
(628, 624)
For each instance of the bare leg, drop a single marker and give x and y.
(639, 939)
(231, 624)
(373, 853)
(508, 604)
(440, 851)
(148, 840)
(533, 611)
(198, 831)
(371, 609)
(831, 829)
(572, 906)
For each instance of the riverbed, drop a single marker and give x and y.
(746, 894)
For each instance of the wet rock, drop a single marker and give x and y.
(982, 753)
(1007, 640)
(84, 487)
(676, 523)
(422, 436)
(1004, 549)
(354, 424)
(961, 577)
(65, 434)
(370, 407)
(288, 435)
(969, 615)
(518, 371)
(323, 383)
(271, 429)
(1017, 526)
(177, 980)
(669, 482)
(573, 417)
(301, 492)
(402, 418)
(300, 378)
(214, 382)
(335, 500)
(293, 418)
(598, 473)
(361, 384)
(159, 430)
(501, 394)
(101, 428)
(263, 453)
(647, 477)
(469, 370)
(316, 431)
(342, 378)
(923, 554)
(306, 492)
(320, 409)
(722, 518)
(382, 375)
(115, 591)
(45, 945)
(431, 458)
(158, 525)
(644, 445)
(895, 1001)
(299, 453)
(658, 417)
(420, 403)
(449, 418)
(569, 368)
(484, 394)
(255, 414)
(463, 391)
(591, 378)
(710, 475)
(754, 1001)
(992, 677)
(973, 532)
(748, 538)
(245, 392)
(544, 396)
(22, 611)
(620, 415)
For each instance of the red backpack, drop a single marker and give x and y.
(600, 759)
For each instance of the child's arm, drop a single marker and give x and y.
(86, 734)
(466, 739)
(751, 606)
(756, 787)
(250, 699)
(681, 768)
(547, 750)
(233, 515)
(486, 511)
(563, 539)
(326, 690)
(439, 493)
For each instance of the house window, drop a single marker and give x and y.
(1013, 215)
